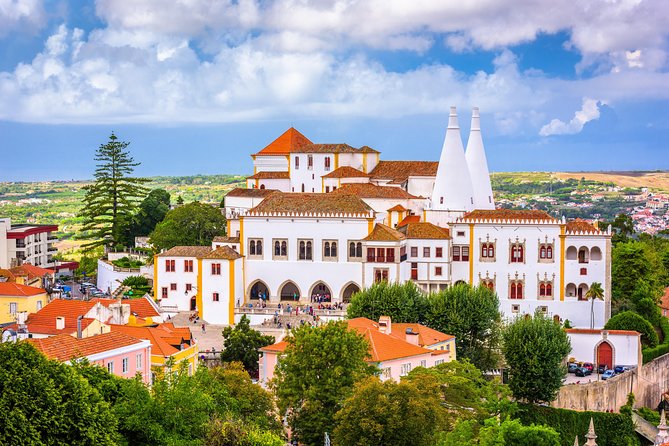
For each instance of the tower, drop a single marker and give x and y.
(453, 185)
(478, 165)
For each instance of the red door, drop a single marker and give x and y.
(605, 355)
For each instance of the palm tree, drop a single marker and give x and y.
(595, 292)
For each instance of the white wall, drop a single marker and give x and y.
(5, 224)
(276, 163)
(420, 186)
(110, 278)
(178, 298)
(626, 348)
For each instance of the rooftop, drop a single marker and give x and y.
(269, 176)
(19, 290)
(223, 253)
(399, 171)
(426, 335)
(140, 307)
(383, 233)
(332, 148)
(288, 142)
(599, 331)
(424, 230)
(64, 347)
(225, 239)
(309, 203)
(367, 190)
(186, 251)
(166, 339)
(347, 172)
(30, 271)
(508, 214)
(409, 219)
(249, 193)
(579, 225)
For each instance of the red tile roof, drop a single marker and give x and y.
(409, 219)
(249, 193)
(508, 214)
(383, 233)
(307, 203)
(332, 148)
(399, 171)
(44, 321)
(269, 176)
(426, 335)
(368, 190)
(19, 290)
(397, 208)
(223, 253)
(186, 251)
(166, 339)
(140, 307)
(425, 230)
(579, 225)
(64, 347)
(288, 142)
(596, 331)
(31, 271)
(347, 172)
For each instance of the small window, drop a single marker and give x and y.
(189, 287)
(456, 253)
(327, 163)
(280, 249)
(405, 369)
(164, 293)
(465, 253)
(170, 266)
(310, 162)
(414, 251)
(515, 308)
(39, 305)
(188, 266)
(437, 271)
(355, 250)
(439, 252)
(297, 163)
(139, 364)
(426, 251)
(173, 286)
(423, 362)
(215, 269)
(124, 363)
(386, 372)
(110, 367)
(215, 297)
(330, 250)
(305, 249)
(517, 253)
(13, 307)
(460, 233)
(543, 309)
(516, 290)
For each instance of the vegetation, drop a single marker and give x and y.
(595, 292)
(193, 224)
(508, 432)
(316, 375)
(150, 212)
(534, 349)
(242, 344)
(402, 302)
(628, 320)
(651, 353)
(127, 262)
(111, 199)
(139, 285)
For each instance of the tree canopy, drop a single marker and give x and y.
(402, 302)
(628, 320)
(242, 343)
(637, 272)
(111, 199)
(149, 213)
(193, 224)
(535, 349)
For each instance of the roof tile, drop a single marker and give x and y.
(383, 233)
(347, 172)
(288, 142)
(367, 190)
(399, 171)
(64, 347)
(508, 214)
(19, 290)
(307, 203)
(425, 230)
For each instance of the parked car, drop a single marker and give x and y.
(608, 374)
(620, 369)
(589, 365)
(582, 371)
(571, 367)
(601, 369)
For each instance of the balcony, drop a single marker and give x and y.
(52, 249)
(20, 245)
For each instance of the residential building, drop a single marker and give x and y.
(16, 298)
(27, 274)
(27, 243)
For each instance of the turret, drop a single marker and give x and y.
(478, 166)
(453, 185)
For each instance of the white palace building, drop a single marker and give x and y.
(327, 220)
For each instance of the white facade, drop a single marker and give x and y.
(625, 346)
(109, 277)
(26, 243)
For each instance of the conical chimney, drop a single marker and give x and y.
(478, 165)
(453, 185)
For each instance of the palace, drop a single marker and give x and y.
(323, 221)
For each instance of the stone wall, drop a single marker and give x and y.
(647, 384)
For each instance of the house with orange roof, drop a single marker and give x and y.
(122, 355)
(664, 303)
(394, 350)
(31, 275)
(16, 298)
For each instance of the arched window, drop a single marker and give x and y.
(491, 250)
(262, 186)
(549, 289)
(303, 251)
(351, 249)
(542, 252)
(309, 256)
(549, 252)
(284, 248)
(542, 290)
(277, 248)
(516, 290)
(302, 187)
(333, 252)
(252, 248)
(358, 249)
(326, 249)
(517, 253)
(259, 247)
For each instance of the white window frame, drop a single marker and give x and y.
(110, 367)
(331, 258)
(139, 363)
(125, 366)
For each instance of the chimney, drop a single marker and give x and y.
(21, 317)
(478, 165)
(60, 323)
(385, 325)
(79, 335)
(120, 313)
(411, 336)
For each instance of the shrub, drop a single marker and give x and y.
(651, 353)
(126, 262)
(628, 320)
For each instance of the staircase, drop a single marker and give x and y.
(644, 428)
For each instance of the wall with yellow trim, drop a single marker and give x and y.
(198, 295)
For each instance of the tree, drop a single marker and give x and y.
(112, 198)
(402, 302)
(628, 320)
(316, 374)
(594, 292)
(139, 285)
(149, 213)
(535, 349)
(242, 343)
(472, 316)
(636, 272)
(193, 224)
(622, 227)
(46, 402)
(508, 433)
(388, 413)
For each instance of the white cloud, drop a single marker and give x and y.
(20, 15)
(588, 112)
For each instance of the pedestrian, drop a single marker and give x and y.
(664, 403)
(204, 329)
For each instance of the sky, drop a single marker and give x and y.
(196, 86)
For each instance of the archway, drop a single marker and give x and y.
(595, 254)
(289, 291)
(605, 354)
(320, 292)
(572, 253)
(583, 255)
(582, 290)
(571, 290)
(259, 290)
(193, 304)
(349, 290)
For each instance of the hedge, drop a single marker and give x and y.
(628, 320)
(651, 353)
(612, 429)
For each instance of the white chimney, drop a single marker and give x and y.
(385, 325)
(411, 336)
(477, 164)
(60, 323)
(21, 317)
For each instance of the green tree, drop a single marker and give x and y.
(535, 349)
(46, 402)
(111, 199)
(622, 227)
(242, 343)
(149, 213)
(594, 292)
(636, 272)
(193, 224)
(316, 374)
(388, 413)
(493, 433)
(472, 316)
(139, 285)
(402, 302)
(628, 320)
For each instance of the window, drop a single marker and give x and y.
(386, 372)
(545, 252)
(456, 253)
(487, 251)
(39, 305)
(297, 163)
(517, 253)
(188, 266)
(255, 247)
(414, 271)
(305, 250)
(215, 269)
(355, 250)
(327, 163)
(405, 369)
(465, 253)
(215, 297)
(390, 255)
(426, 251)
(189, 287)
(280, 249)
(173, 286)
(380, 275)
(543, 309)
(139, 364)
(13, 308)
(584, 271)
(488, 283)
(515, 308)
(423, 362)
(110, 366)
(371, 254)
(414, 251)
(170, 266)
(124, 364)
(439, 252)
(310, 162)
(461, 233)
(545, 289)
(438, 361)
(516, 289)
(164, 293)
(327, 189)
(437, 271)
(380, 255)
(330, 250)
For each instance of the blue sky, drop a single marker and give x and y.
(200, 85)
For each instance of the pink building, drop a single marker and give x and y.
(664, 303)
(395, 349)
(121, 354)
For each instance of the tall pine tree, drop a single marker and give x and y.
(114, 195)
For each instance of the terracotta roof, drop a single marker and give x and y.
(426, 335)
(44, 321)
(279, 347)
(166, 339)
(383, 347)
(19, 290)
(305, 203)
(223, 239)
(409, 219)
(424, 230)
(186, 251)
(269, 176)
(288, 142)
(332, 148)
(383, 233)
(140, 307)
(400, 171)
(579, 225)
(223, 253)
(31, 271)
(367, 190)
(508, 214)
(64, 347)
(249, 193)
(347, 172)
(596, 331)
(397, 208)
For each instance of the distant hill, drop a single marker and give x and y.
(657, 180)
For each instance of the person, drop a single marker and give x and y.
(664, 403)
(204, 330)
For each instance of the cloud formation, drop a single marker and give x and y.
(20, 15)
(588, 112)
